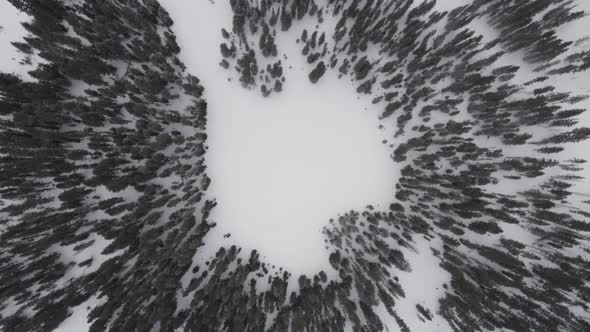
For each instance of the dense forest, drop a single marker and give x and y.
(105, 152)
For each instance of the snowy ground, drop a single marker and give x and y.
(424, 286)
(11, 30)
(78, 321)
(282, 166)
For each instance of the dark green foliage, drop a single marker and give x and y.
(317, 72)
(109, 164)
(482, 227)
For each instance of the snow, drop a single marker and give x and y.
(78, 320)
(70, 256)
(422, 285)
(12, 31)
(579, 28)
(282, 166)
(448, 5)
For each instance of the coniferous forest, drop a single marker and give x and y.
(105, 197)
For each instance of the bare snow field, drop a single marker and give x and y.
(282, 166)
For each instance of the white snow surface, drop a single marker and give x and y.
(11, 30)
(281, 166)
(422, 285)
(78, 319)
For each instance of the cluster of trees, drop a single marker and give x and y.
(106, 163)
(61, 150)
(448, 166)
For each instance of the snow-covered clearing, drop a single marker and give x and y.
(282, 166)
